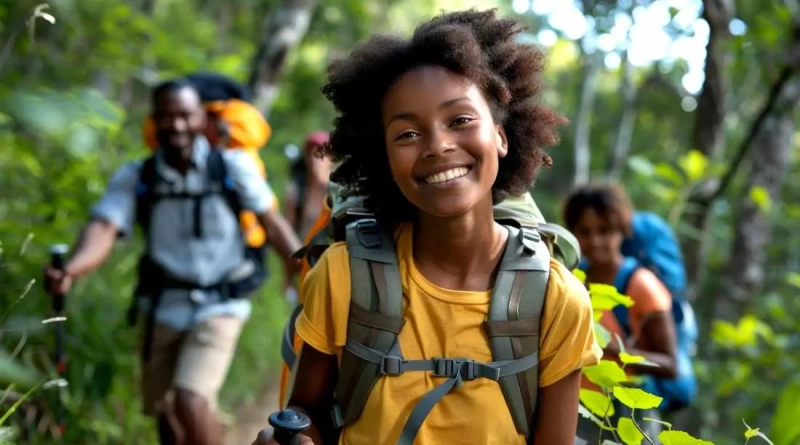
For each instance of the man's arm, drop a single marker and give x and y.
(256, 195)
(111, 216)
(93, 247)
(280, 234)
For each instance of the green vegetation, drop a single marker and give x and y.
(73, 95)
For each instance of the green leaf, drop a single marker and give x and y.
(601, 334)
(666, 171)
(785, 427)
(607, 374)
(694, 165)
(636, 398)
(12, 371)
(585, 413)
(641, 165)
(793, 279)
(605, 297)
(628, 432)
(628, 359)
(597, 402)
(760, 197)
(673, 437)
(7, 434)
(745, 333)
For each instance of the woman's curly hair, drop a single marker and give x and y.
(474, 44)
(608, 199)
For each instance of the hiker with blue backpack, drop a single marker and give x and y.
(638, 254)
(197, 270)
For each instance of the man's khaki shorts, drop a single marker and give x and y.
(196, 360)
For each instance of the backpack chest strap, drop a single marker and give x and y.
(152, 189)
(462, 368)
(456, 370)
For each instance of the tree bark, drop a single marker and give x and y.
(583, 121)
(708, 134)
(622, 144)
(284, 29)
(769, 169)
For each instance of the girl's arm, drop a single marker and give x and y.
(312, 392)
(556, 419)
(312, 387)
(656, 344)
(656, 334)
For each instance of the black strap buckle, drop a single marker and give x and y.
(368, 233)
(451, 367)
(392, 366)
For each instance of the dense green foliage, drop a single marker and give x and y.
(72, 98)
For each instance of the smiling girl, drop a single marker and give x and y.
(434, 130)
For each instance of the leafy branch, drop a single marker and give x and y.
(616, 385)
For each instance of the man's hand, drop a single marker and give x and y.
(265, 438)
(93, 247)
(281, 235)
(57, 282)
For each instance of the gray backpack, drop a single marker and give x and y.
(376, 318)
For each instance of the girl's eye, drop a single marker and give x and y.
(461, 120)
(406, 135)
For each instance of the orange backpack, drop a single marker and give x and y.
(233, 123)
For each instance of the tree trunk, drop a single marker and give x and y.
(768, 171)
(284, 29)
(622, 145)
(708, 135)
(583, 121)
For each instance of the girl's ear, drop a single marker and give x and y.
(502, 142)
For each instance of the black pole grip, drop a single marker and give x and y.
(58, 253)
(288, 425)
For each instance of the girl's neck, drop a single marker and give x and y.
(605, 272)
(459, 249)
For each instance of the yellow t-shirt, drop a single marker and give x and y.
(444, 323)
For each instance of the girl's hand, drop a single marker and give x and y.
(265, 438)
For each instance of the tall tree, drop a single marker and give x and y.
(283, 30)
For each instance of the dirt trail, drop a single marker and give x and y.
(250, 419)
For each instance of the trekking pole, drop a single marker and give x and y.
(57, 254)
(288, 425)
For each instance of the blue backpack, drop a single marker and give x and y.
(653, 245)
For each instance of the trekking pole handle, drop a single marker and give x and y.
(288, 425)
(58, 253)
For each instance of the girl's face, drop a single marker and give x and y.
(600, 240)
(441, 140)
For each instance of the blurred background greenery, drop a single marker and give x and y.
(690, 103)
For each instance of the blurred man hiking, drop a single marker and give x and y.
(196, 272)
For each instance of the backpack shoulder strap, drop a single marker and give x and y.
(621, 282)
(565, 246)
(145, 192)
(217, 171)
(514, 318)
(375, 320)
(376, 316)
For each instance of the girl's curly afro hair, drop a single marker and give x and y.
(474, 44)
